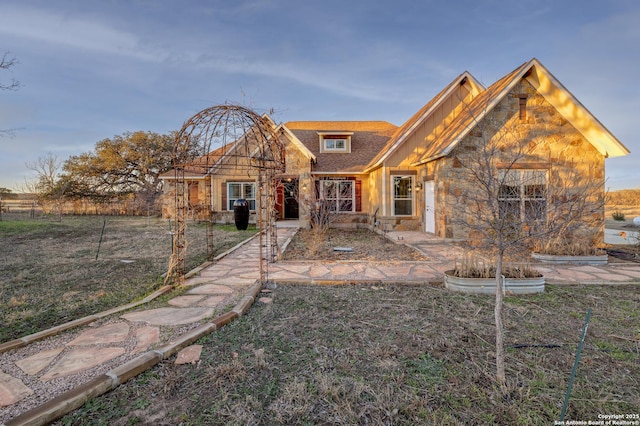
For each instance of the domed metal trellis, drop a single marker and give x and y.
(226, 140)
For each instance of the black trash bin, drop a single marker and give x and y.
(241, 214)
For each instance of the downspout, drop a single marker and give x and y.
(383, 195)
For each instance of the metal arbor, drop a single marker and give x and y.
(229, 140)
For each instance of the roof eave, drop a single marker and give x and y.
(297, 142)
(577, 114)
(401, 138)
(428, 160)
(485, 110)
(343, 172)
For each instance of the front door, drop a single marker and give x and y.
(290, 195)
(429, 207)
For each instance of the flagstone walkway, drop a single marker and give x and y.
(33, 373)
(38, 371)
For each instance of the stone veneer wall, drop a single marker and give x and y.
(563, 149)
(297, 164)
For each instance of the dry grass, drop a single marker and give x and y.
(395, 354)
(49, 273)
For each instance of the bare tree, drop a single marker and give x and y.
(6, 63)
(320, 216)
(519, 194)
(48, 187)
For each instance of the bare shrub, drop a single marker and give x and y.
(320, 218)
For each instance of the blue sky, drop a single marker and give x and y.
(92, 69)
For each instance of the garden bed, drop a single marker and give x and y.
(364, 244)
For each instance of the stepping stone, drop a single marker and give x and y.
(211, 289)
(190, 282)
(266, 300)
(189, 355)
(33, 364)
(245, 279)
(318, 271)
(185, 301)
(81, 359)
(145, 337)
(12, 390)
(212, 301)
(110, 333)
(371, 273)
(341, 269)
(211, 273)
(170, 316)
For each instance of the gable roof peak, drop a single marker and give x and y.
(546, 85)
(404, 131)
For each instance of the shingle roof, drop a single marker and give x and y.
(200, 166)
(368, 138)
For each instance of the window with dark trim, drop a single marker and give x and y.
(340, 194)
(523, 195)
(241, 190)
(402, 195)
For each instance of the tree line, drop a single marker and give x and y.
(127, 166)
(124, 167)
(624, 197)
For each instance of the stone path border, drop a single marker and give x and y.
(25, 340)
(74, 399)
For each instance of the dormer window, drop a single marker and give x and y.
(335, 142)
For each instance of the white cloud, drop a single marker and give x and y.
(44, 26)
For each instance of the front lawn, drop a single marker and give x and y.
(395, 354)
(49, 273)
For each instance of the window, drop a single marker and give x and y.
(335, 144)
(335, 141)
(522, 103)
(523, 195)
(402, 195)
(340, 194)
(238, 190)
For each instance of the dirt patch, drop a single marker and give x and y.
(352, 244)
(395, 354)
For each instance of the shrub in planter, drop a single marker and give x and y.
(474, 276)
(583, 252)
(618, 215)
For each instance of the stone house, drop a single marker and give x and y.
(373, 173)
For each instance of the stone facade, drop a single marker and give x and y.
(527, 112)
(548, 143)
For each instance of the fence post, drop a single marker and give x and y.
(575, 365)
(104, 222)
